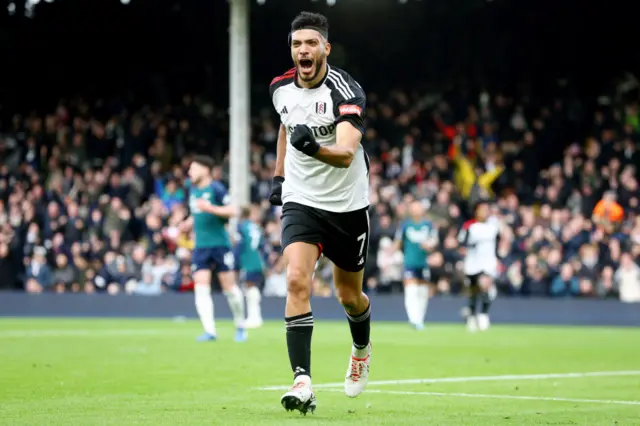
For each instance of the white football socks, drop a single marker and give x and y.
(412, 303)
(253, 296)
(204, 307)
(236, 304)
(423, 298)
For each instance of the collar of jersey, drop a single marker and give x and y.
(295, 80)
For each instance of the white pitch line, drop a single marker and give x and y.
(475, 379)
(495, 396)
(89, 333)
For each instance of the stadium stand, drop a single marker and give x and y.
(90, 195)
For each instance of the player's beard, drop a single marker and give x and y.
(316, 68)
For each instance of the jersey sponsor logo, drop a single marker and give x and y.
(284, 111)
(318, 130)
(321, 107)
(350, 109)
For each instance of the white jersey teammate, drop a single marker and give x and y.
(322, 181)
(478, 239)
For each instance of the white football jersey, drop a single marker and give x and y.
(309, 181)
(480, 239)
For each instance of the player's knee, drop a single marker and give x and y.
(298, 283)
(485, 283)
(227, 279)
(201, 278)
(348, 298)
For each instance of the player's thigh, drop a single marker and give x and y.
(425, 279)
(416, 276)
(254, 279)
(300, 258)
(201, 263)
(347, 240)
(485, 282)
(224, 260)
(301, 224)
(302, 241)
(472, 283)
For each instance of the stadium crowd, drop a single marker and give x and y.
(90, 194)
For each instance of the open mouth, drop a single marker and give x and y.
(306, 65)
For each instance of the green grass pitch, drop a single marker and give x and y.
(152, 372)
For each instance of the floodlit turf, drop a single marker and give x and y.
(138, 372)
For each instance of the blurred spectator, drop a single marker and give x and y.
(91, 199)
(565, 284)
(38, 276)
(390, 264)
(607, 213)
(64, 275)
(627, 279)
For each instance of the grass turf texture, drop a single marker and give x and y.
(140, 372)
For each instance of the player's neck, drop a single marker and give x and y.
(316, 81)
(205, 182)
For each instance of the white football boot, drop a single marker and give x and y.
(357, 373)
(472, 324)
(300, 397)
(253, 322)
(483, 322)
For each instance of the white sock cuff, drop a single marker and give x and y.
(252, 290)
(202, 290)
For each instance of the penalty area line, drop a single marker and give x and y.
(500, 378)
(496, 396)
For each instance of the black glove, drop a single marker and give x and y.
(276, 191)
(303, 140)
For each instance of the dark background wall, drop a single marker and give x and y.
(98, 47)
(387, 308)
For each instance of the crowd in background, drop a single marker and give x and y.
(90, 193)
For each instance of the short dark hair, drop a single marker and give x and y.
(310, 19)
(204, 160)
(479, 203)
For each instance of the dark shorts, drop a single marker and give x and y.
(342, 237)
(474, 280)
(419, 274)
(219, 258)
(256, 278)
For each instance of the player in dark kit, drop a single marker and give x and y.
(322, 181)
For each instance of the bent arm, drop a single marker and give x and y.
(227, 211)
(341, 154)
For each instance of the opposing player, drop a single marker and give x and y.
(210, 211)
(417, 237)
(322, 179)
(478, 238)
(250, 254)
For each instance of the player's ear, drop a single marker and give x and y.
(327, 48)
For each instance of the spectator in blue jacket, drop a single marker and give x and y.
(38, 274)
(565, 284)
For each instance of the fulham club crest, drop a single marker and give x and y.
(321, 107)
